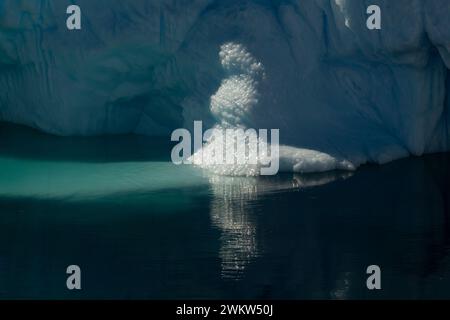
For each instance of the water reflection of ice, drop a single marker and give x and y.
(233, 213)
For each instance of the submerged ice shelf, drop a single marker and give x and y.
(310, 68)
(36, 165)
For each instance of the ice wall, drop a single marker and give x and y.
(143, 66)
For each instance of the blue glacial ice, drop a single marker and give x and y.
(341, 95)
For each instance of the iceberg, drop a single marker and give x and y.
(340, 94)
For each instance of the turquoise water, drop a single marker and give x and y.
(140, 227)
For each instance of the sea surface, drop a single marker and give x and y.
(140, 227)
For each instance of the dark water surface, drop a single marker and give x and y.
(140, 227)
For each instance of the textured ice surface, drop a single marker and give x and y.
(232, 105)
(326, 81)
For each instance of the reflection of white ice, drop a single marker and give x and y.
(342, 287)
(232, 212)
